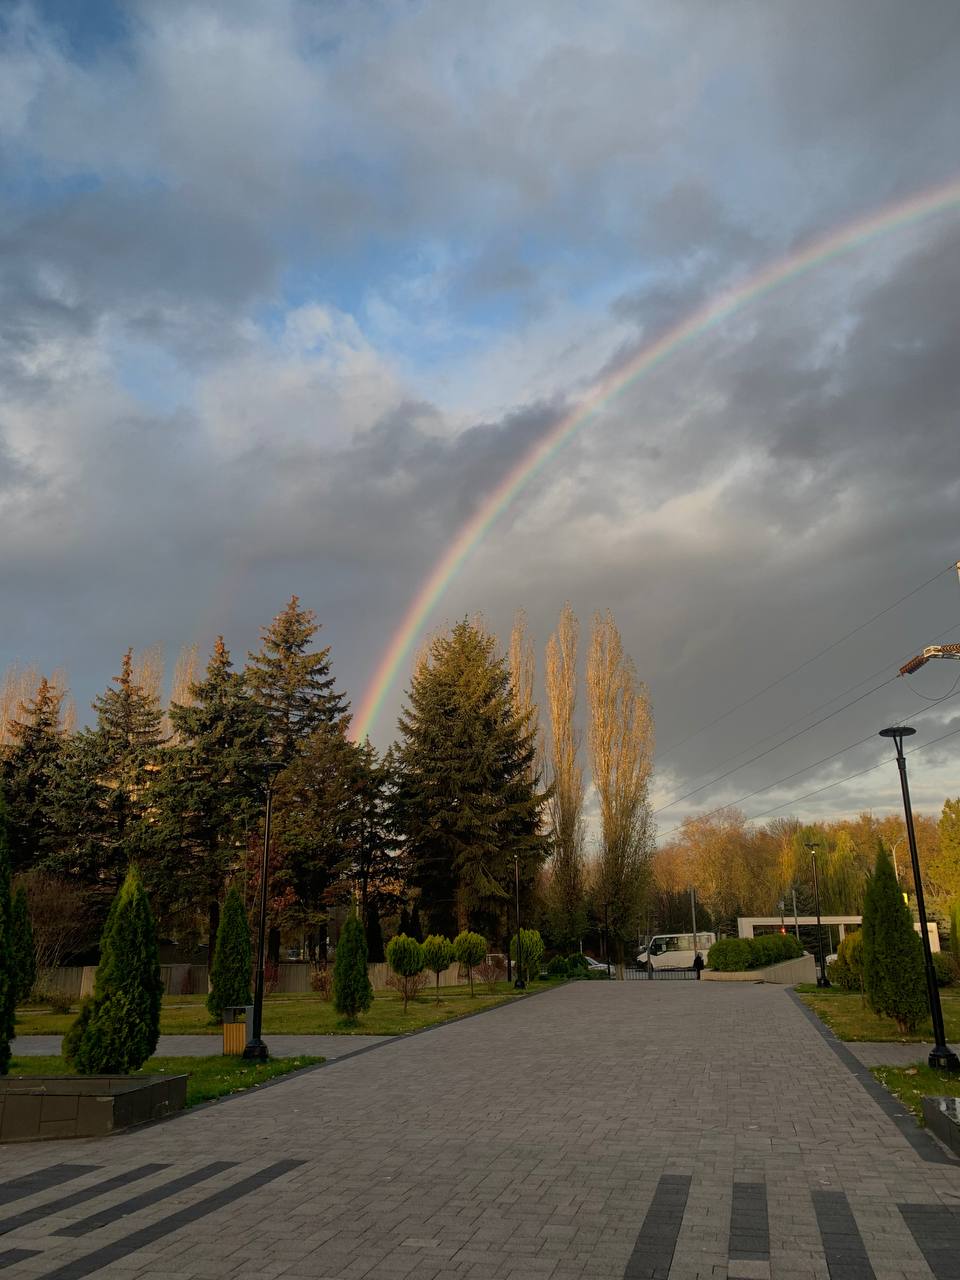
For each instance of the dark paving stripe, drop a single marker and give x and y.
(749, 1225)
(936, 1230)
(42, 1180)
(926, 1146)
(85, 1266)
(125, 1207)
(10, 1256)
(34, 1214)
(842, 1242)
(653, 1252)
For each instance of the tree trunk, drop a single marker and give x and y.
(273, 945)
(213, 924)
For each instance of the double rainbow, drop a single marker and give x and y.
(892, 217)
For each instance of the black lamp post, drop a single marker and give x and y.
(823, 980)
(941, 1055)
(519, 984)
(255, 1048)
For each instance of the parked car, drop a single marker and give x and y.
(595, 965)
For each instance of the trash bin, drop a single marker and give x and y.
(237, 1024)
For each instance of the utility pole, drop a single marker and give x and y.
(823, 980)
(796, 918)
(693, 913)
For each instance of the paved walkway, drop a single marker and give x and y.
(888, 1053)
(597, 1132)
(202, 1046)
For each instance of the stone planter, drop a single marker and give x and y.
(34, 1107)
(942, 1117)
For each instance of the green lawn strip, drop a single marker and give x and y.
(912, 1084)
(849, 1018)
(207, 1077)
(305, 1014)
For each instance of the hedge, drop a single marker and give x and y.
(733, 955)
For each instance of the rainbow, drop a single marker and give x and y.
(813, 254)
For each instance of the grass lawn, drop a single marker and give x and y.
(208, 1077)
(848, 1017)
(911, 1084)
(303, 1014)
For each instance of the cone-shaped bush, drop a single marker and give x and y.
(230, 974)
(531, 953)
(24, 962)
(375, 952)
(8, 972)
(405, 958)
(119, 1027)
(437, 955)
(352, 991)
(470, 949)
(892, 952)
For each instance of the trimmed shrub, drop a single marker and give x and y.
(470, 949)
(892, 952)
(577, 964)
(734, 955)
(531, 953)
(8, 971)
(230, 972)
(847, 970)
(437, 955)
(405, 958)
(117, 1031)
(352, 989)
(557, 968)
(945, 968)
(24, 961)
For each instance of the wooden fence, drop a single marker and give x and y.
(75, 981)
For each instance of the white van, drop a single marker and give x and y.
(674, 950)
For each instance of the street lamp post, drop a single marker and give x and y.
(255, 1048)
(823, 980)
(606, 934)
(519, 984)
(941, 1055)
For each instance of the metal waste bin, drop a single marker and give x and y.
(237, 1025)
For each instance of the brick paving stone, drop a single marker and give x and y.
(528, 1142)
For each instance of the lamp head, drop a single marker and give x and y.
(898, 731)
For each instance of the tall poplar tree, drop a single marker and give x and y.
(466, 797)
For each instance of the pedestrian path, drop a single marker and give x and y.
(647, 1131)
(202, 1046)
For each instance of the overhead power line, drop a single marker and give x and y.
(950, 568)
(807, 768)
(789, 725)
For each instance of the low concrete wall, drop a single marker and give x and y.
(788, 973)
(33, 1107)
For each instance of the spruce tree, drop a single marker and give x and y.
(294, 686)
(352, 991)
(117, 1030)
(893, 969)
(8, 971)
(211, 790)
(466, 798)
(24, 960)
(374, 935)
(29, 774)
(416, 929)
(106, 793)
(232, 960)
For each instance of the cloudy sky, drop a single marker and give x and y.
(288, 288)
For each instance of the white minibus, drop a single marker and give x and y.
(674, 950)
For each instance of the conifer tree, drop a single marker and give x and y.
(294, 686)
(212, 786)
(118, 1029)
(893, 970)
(403, 924)
(416, 930)
(352, 992)
(374, 935)
(466, 800)
(232, 959)
(107, 787)
(24, 960)
(29, 773)
(8, 972)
